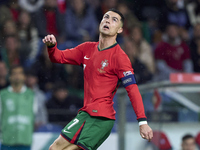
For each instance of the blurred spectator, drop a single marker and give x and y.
(31, 5)
(130, 19)
(188, 142)
(5, 14)
(14, 8)
(145, 52)
(74, 76)
(62, 5)
(49, 20)
(17, 112)
(32, 83)
(95, 4)
(81, 24)
(172, 54)
(103, 7)
(9, 28)
(62, 107)
(184, 35)
(145, 8)
(28, 37)
(141, 72)
(10, 51)
(47, 72)
(151, 30)
(3, 75)
(193, 9)
(171, 13)
(195, 48)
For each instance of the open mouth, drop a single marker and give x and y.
(105, 27)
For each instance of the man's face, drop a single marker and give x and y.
(17, 76)
(51, 3)
(110, 3)
(188, 144)
(11, 44)
(136, 34)
(61, 94)
(78, 6)
(172, 31)
(111, 24)
(31, 80)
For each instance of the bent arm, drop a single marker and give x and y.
(69, 56)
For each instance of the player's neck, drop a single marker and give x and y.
(17, 87)
(106, 41)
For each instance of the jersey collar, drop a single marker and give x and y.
(23, 89)
(107, 47)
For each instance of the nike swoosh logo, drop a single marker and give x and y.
(86, 57)
(66, 131)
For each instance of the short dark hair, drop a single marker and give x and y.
(15, 67)
(31, 72)
(119, 13)
(171, 24)
(187, 136)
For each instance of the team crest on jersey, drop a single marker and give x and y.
(103, 65)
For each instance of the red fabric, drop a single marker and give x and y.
(156, 99)
(136, 100)
(160, 140)
(15, 14)
(198, 139)
(172, 55)
(102, 70)
(62, 6)
(51, 22)
(76, 134)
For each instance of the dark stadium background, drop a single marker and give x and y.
(172, 105)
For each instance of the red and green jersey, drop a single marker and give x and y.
(102, 71)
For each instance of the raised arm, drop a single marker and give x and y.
(69, 56)
(125, 73)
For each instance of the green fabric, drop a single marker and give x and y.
(146, 32)
(107, 47)
(17, 117)
(95, 130)
(5, 57)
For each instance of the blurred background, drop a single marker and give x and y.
(162, 40)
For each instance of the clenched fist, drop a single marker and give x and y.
(49, 40)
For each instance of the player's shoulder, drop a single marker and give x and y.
(119, 51)
(89, 43)
(87, 46)
(119, 55)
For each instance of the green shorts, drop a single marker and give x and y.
(86, 131)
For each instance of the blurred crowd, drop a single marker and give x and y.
(160, 38)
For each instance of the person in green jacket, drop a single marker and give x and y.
(17, 112)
